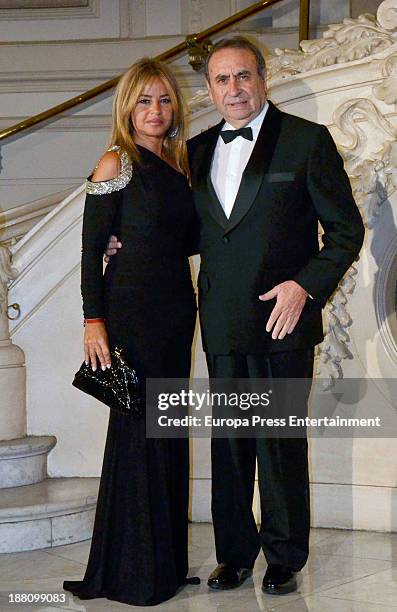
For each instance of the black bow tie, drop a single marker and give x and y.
(229, 135)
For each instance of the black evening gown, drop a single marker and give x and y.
(139, 545)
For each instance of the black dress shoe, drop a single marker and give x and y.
(279, 580)
(228, 577)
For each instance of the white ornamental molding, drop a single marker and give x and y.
(17, 221)
(369, 149)
(335, 346)
(345, 42)
(387, 89)
(370, 154)
(387, 14)
(7, 273)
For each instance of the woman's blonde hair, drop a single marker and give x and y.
(128, 91)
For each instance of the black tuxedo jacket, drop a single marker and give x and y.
(293, 180)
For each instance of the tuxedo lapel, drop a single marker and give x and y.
(216, 209)
(257, 166)
(204, 190)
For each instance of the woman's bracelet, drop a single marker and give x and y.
(98, 320)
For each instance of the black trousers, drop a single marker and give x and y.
(282, 474)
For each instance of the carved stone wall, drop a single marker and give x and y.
(351, 40)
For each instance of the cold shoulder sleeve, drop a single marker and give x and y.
(101, 203)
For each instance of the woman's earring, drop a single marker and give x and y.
(173, 132)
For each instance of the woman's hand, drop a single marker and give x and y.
(96, 345)
(112, 247)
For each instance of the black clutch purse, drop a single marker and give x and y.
(118, 387)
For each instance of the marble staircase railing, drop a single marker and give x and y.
(16, 222)
(24, 461)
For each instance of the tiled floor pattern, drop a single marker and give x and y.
(347, 572)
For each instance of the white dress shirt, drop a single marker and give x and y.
(230, 160)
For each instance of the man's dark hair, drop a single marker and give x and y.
(237, 42)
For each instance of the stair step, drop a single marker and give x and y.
(23, 461)
(50, 513)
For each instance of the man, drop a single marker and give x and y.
(262, 181)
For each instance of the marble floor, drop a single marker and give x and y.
(347, 572)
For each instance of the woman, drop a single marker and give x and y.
(144, 303)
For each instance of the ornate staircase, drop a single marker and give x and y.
(37, 511)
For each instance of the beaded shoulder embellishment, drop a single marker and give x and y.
(103, 187)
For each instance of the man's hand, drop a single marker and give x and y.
(291, 299)
(112, 246)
